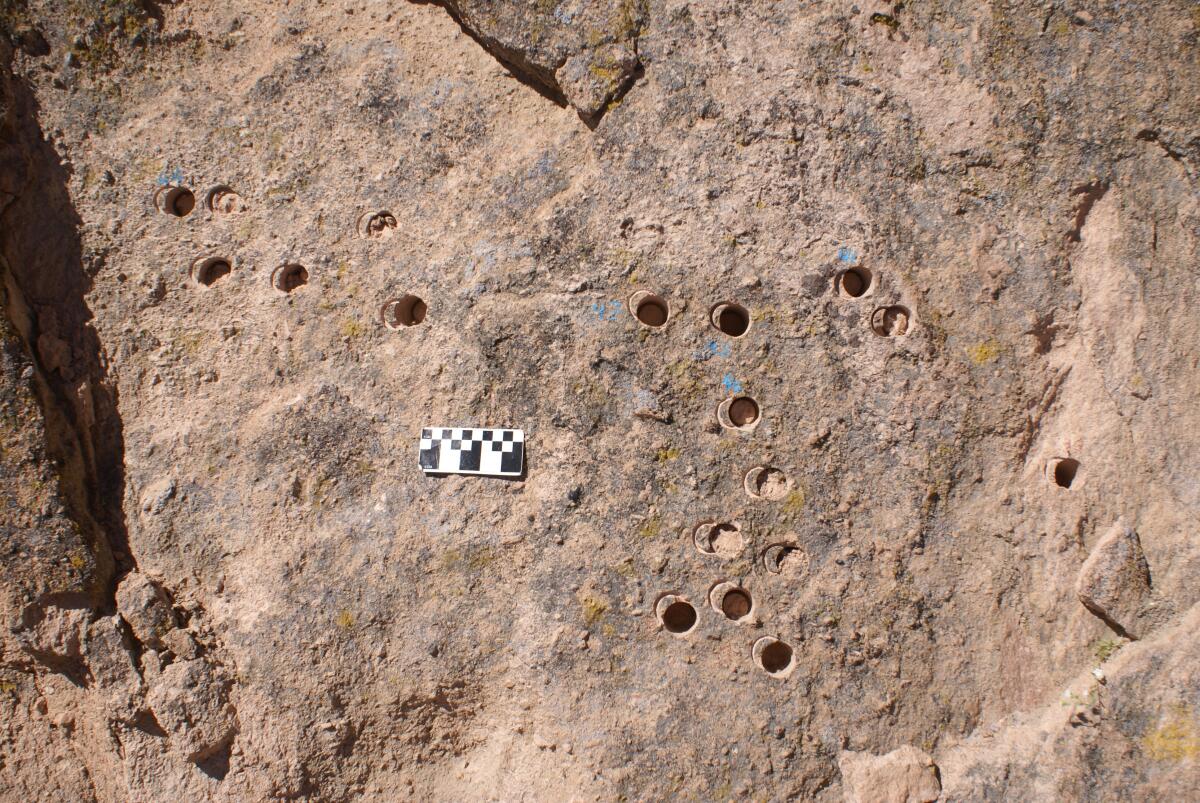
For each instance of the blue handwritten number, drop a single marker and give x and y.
(731, 384)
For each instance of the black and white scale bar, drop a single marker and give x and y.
(488, 451)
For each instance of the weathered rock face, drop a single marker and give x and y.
(905, 775)
(840, 335)
(1114, 582)
(583, 52)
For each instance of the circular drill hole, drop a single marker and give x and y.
(854, 282)
(177, 201)
(730, 318)
(408, 310)
(775, 658)
(288, 277)
(1065, 470)
(766, 482)
(223, 200)
(890, 321)
(377, 225)
(723, 539)
(784, 559)
(212, 269)
(652, 310)
(736, 604)
(743, 411)
(679, 617)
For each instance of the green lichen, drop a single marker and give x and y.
(1176, 739)
(984, 352)
(593, 607)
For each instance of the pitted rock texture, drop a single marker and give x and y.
(956, 243)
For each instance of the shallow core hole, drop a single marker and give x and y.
(743, 411)
(212, 269)
(890, 321)
(1065, 471)
(679, 617)
(776, 657)
(223, 200)
(731, 319)
(784, 558)
(177, 201)
(406, 311)
(766, 482)
(652, 310)
(289, 277)
(854, 282)
(379, 224)
(736, 604)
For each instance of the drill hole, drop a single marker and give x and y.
(177, 201)
(730, 318)
(765, 482)
(784, 559)
(739, 412)
(289, 277)
(731, 600)
(650, 309)
(223, 201)
(773, 656)
(377, 225)
(736, 605)
(209, 270)
(676, 614)
(854, 282)
(1063, 471)
(408, 310)
(890, 321)
(724, 539)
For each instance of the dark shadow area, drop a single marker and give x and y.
(216, 765)
(47, 277)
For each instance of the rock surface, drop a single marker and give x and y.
(1114, 582)
(927, 269)
(905, 775)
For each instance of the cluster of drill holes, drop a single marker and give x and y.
(1063, 470)
(730, 318)
(177, 201)
(650, 309)
(223, 200)
(890, 321)
(773, 656)
(402, 312)
(289, 277)
(376, 225)
(676, 614)
(723, 539)
(207, 270)
(853, 282)
(732, 601)
(766, 482)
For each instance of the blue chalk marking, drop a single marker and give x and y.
(730, 384)
(607, 310)
(847, 255)
(168, 176)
